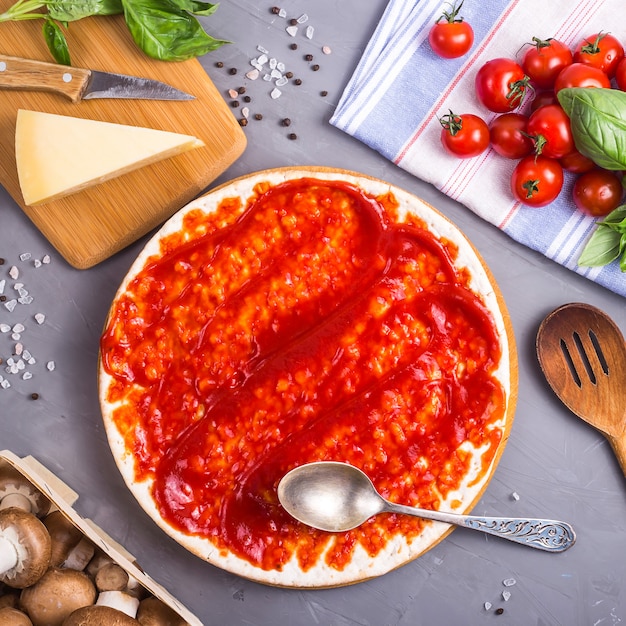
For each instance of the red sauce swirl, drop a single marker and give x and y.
(307, 324)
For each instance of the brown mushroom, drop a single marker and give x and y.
(154, 612)
(120, 600)
(17, 491)
(63, 535)
(99, 616)
(13, 617)
(111, 577)
(57, 594)
(24, 548)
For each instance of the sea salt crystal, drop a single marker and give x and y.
(26, 355)
(14, 273)
(18, 328)
(273, 63)
(37, 263)
(275, 74)
(40, 318)
(263, 59)
(262, 50)
(50, 366)
(515, 495)
(20, 365)
(18, 349)
(309, 32)
(292, 30)
(253, 74)
(25, 299)
(275, 93)
(245, 112)
(31, 361)
(326, 49)
(487, 606)
(4, 328)
(16, 336)
(506, 596)
(46, 259)
(4, 383)
(509, 582)
(267, 78)
(233, 93)
(10, 305)
(2, 285)
(26, 376)
(25, 256)
(282, 13)
(303, 18)
(280, 66)
(283, 80)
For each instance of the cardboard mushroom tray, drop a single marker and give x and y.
(62, 498)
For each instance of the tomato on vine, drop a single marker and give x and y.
(581, 75)
(501, 85)
(550, 128)
(451, 37)
(537, 180)
(509, 136)
(597, 192)
(464, 135)
(544, 60)
(601, 50)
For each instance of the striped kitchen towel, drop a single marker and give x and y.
(400, 88)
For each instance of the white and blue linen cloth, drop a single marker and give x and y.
(400, 88)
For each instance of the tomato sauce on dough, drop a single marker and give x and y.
(305, 323)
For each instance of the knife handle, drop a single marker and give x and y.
(29, 75)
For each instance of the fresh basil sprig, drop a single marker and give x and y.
(598, 122)
(608, 241)
(167, 30)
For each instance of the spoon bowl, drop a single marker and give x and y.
(337, 497)
(582, 354)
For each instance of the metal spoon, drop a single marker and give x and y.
(583, 357)
(337, 497)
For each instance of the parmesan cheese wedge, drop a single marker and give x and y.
(58, 155)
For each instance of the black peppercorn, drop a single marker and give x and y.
(323, 93)
(308, 57)
(34, 396)
(286, 122)
(293, 136)
(258, 116)
(315, 67)
(294, 46)
(232, 71)
(275, 10)
(243, 122)
(219, 64)
(499, 611)
(298, 81)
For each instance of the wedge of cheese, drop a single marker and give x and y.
(58, 155)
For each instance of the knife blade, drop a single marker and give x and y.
(81, 84)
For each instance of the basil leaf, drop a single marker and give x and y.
(598, 121)
(195, 7)
(165, 32)
(602, 248)
(622, 251)
(56, 42)
(616, 219)
(72, 10)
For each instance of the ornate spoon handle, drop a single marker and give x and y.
(543, 534)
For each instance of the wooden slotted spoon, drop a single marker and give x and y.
(583, 357)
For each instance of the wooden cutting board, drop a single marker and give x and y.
(90, 226)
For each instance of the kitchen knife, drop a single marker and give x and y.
(80, 84)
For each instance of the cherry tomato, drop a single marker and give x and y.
(464, 135)
(601, 50)
(453, 37)
(581, 75)
(550, 127)
(501, 85)
(597, 192)
(542, 98)
(537, 180)
(576, 163)
(620, 75)
(544, 61)
(508, 136)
